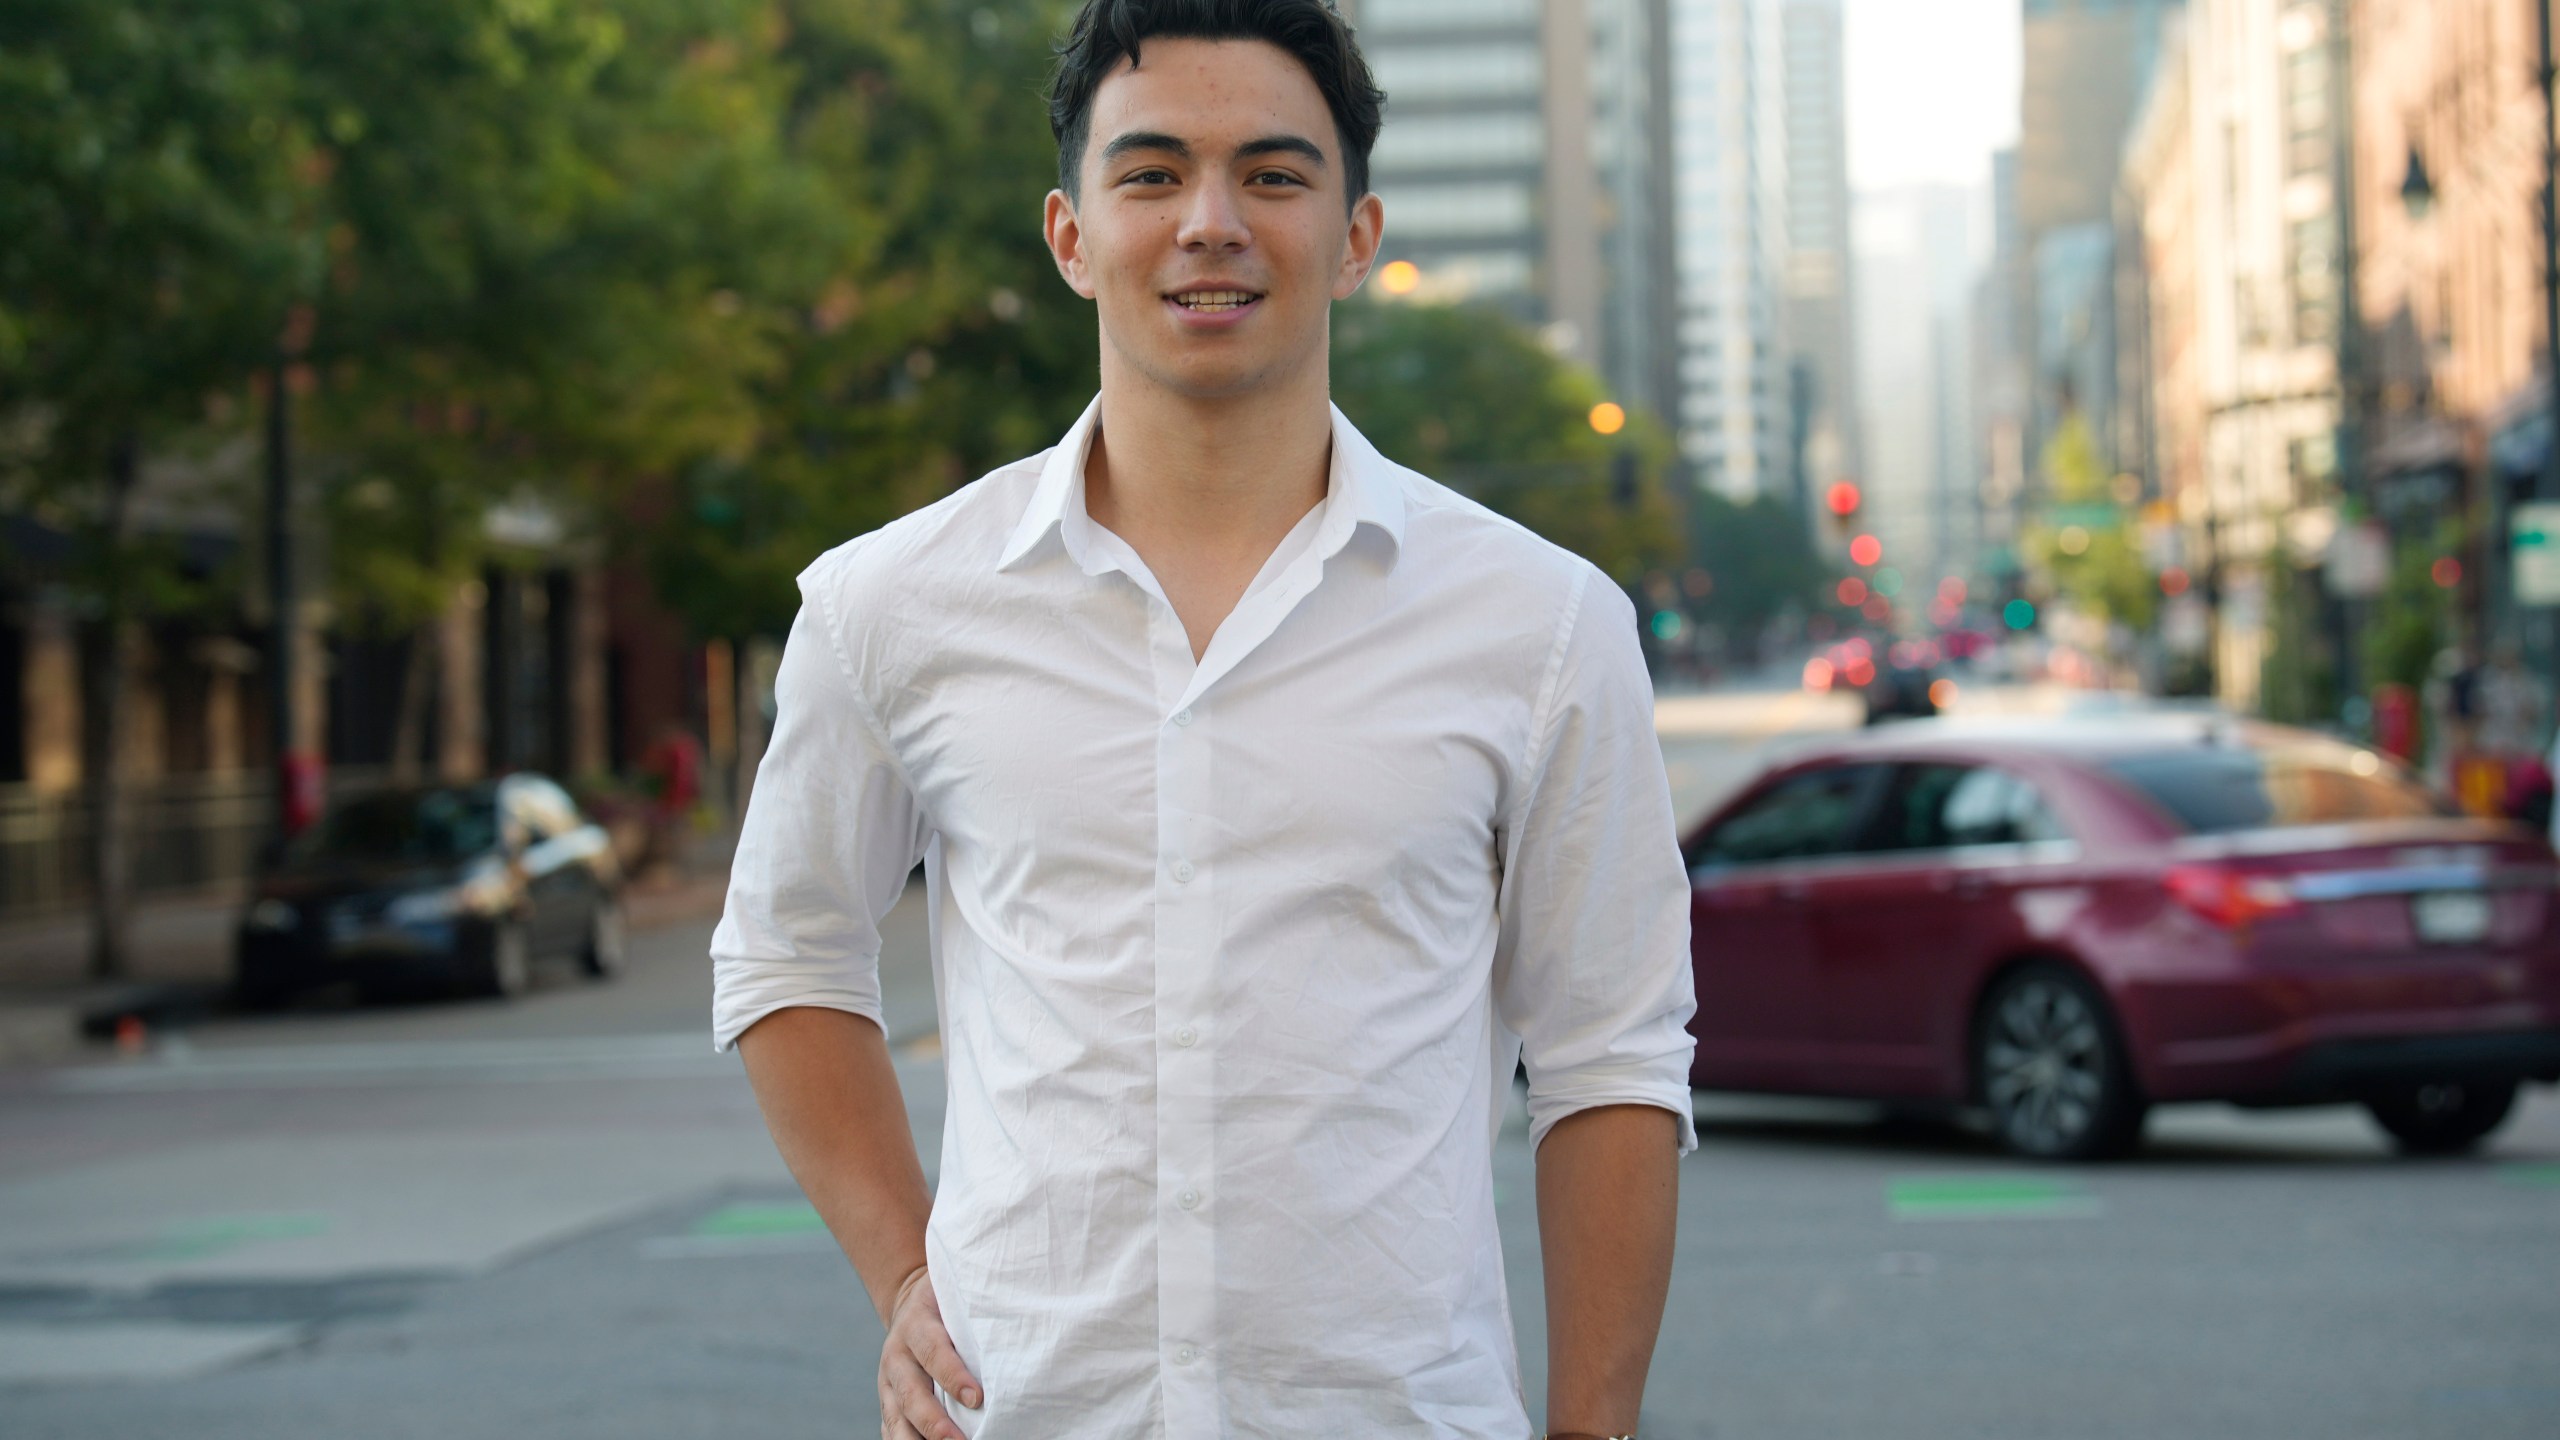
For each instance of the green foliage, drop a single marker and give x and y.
(936, 341)
(2086, 550)
(2413, 623)
(2297, 677)
(1470, 398)
(1759, 559)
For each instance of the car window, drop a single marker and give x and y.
(1811, 814)
(2215, 788)
(1943, 806)
(427, 826)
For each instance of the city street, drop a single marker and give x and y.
(561, 1218)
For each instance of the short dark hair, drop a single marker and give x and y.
(1311, 31)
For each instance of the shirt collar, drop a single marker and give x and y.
(1361, 488)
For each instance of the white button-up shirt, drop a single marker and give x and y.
(1235, 958)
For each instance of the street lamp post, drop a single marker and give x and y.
(2538, 628)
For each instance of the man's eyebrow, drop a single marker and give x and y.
(1297, 145)
(1136, 140)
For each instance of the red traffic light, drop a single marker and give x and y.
(1844, 499)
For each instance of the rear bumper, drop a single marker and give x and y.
(2349, 1069)
(384, 953)
(2299, 1039)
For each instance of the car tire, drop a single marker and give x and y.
(607, 944)
(260, 988)
(2442, 1117)
(2050, 1065)
(502, 964)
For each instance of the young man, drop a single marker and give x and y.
(1273, 801)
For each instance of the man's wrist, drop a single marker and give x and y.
(1584, 1435)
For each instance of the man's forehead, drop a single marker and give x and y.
(1213, 95)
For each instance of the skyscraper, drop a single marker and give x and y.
(1820, 316)
(1730, 238)
(1522, 166)
(2086, 67)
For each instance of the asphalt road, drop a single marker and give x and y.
(561, 1218)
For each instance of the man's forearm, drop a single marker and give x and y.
(830, 1097)
(1608, 1201)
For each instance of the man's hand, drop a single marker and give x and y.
(917, 1357)
(831, 1097)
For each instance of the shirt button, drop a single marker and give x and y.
(1188, 1199)
(1182, 872)
(1186, 1037)
(1182, 716)
(1185, 1355)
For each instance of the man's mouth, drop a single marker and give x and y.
(1215, 302)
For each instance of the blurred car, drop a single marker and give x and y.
(1900, 693)
(2066, 922)
(460, 885)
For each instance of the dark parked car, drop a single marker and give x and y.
(2066, 922)
(1900, 692)
(463, 885)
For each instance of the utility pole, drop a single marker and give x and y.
(286, 743)
(2538, 628)
(2347, 461)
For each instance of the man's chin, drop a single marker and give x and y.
(1227, 376)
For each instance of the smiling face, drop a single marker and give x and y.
(1212, 231)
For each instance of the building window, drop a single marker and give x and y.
(2306, 111)
(1421, 211)
(1427, 142)
(1384, 17)
(2311, 260)
(1457, 71)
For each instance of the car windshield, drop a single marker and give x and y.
(2213, 789)
(431, 825)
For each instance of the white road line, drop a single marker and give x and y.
(678, 1055)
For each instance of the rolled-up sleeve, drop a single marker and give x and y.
(1592, 967)
(831, 834)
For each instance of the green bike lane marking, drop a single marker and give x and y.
(206, 1238)
(746, 1228)
(2538, 1175)
(1988, 1197)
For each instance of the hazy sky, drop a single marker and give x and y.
(1933, 90)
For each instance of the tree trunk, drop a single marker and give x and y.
(417, 681)
(105, 670)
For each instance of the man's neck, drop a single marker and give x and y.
(1219, 481)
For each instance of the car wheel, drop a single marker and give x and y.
(2442, 1117)
(504, 965)
(258, 987)
(602, 958)
(2050, 1065)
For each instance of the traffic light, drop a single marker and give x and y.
(1843, 500)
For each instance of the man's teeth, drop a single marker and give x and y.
(1215, 299)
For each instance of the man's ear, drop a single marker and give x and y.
(1368, 228)
(1065, 235)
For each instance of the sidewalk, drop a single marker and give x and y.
(181, 959)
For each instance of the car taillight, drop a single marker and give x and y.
(2229, 898)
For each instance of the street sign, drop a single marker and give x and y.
(2534, 530)
(2359, 565)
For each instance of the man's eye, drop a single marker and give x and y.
(1275, 177)
(1150, 177)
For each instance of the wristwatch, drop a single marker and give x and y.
(1579, 1435)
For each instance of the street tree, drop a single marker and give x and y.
(1472, 398)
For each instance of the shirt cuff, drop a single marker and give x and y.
(740, 1000)
(1590, 1090)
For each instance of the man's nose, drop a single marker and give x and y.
(1213, 219)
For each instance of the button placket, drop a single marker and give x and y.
(1186, 947)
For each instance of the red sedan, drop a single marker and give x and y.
(2066, 922)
